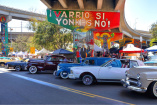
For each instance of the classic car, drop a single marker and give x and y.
(48, 63)
(63, 69)
(152, 61)
(4, 60)
(111, 71)
(18, 65)
(142, 79)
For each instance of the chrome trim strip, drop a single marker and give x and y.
(152, 79)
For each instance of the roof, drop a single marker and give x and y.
(62, 51)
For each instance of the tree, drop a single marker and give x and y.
(153, 31)
(50, 36)
(21, 43)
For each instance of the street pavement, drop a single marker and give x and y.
(43, 88)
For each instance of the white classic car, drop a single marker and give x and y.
(113, 70)
(142, 79)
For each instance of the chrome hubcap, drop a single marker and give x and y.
(33, 69)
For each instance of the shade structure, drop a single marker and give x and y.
(130, 48)
(62, 51)
(152, 49)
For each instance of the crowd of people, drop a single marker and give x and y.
(83, 52)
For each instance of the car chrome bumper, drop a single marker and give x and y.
(71, 76)
(127, 85)
(55, 73)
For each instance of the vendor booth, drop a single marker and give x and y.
(131, 52)
(130, 48)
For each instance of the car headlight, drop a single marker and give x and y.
(58, 67)
(71, 72)
(138, 76)
(126, 73)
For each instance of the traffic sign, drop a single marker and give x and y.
(11, 49)
(32, 50)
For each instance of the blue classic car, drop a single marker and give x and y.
(152, 61)
(63, 69)
(18, 65)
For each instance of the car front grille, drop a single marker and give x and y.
(133, 81)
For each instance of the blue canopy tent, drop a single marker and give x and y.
(152, 49)
(62, 51)
(66, 53)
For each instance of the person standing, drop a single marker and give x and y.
(83, 52)
(88, 52)
(78, 55)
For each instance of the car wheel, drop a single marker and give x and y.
(17, 68)
(7, 67)
(64, 74)
(2, 64)
(33, 69)
(152, 89)
(87, 79)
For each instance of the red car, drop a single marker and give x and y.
(49, 63)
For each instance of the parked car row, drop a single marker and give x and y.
(18, 65)
(4, 60)
(133, 74)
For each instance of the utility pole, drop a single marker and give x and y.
(21, 28)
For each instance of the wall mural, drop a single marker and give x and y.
(4, 36)
(107, 37)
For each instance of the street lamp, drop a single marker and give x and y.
(11, 35)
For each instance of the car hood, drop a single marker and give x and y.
(137, 70)
(69, 64)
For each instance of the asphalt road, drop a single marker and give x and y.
(43, 88)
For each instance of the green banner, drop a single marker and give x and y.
(88, 19)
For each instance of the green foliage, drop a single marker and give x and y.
(153, 31)
(21, 43)
(50, 36)
(47, 35)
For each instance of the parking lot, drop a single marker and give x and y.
(43, 88)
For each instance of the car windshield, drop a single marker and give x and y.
(106, 63)
(24, 60)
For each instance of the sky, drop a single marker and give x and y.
(140, 14)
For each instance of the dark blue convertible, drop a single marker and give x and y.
(18, 65)
(63, 69)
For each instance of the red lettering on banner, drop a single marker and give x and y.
(57, 15)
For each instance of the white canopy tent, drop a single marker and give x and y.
(130, 48)
(12, 53)
(152, 49)
(43, 51)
